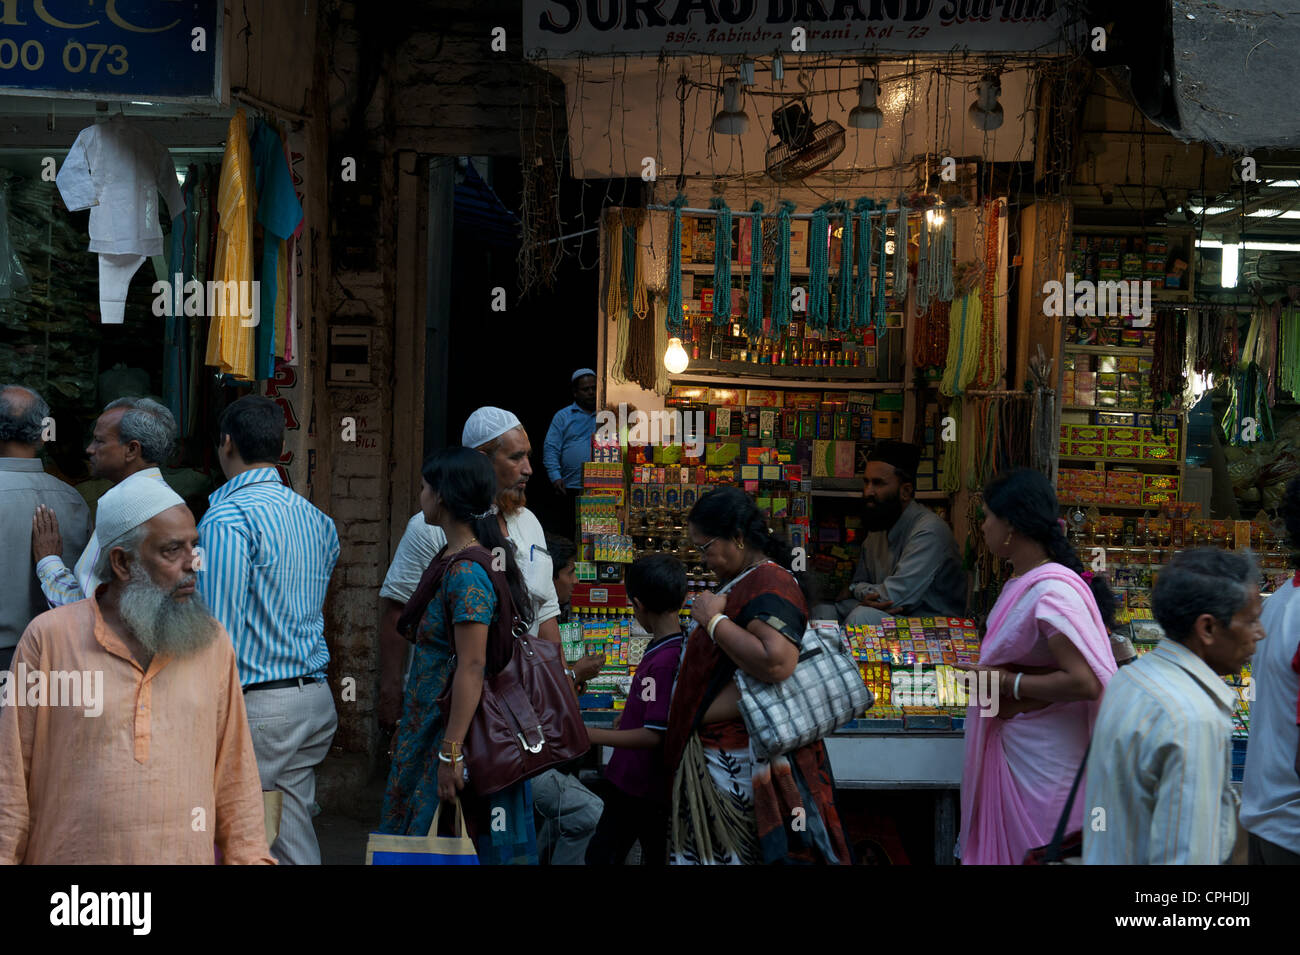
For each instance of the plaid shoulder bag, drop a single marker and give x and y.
(824, 692)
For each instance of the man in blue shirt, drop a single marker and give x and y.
(568, 444)
(267, 555)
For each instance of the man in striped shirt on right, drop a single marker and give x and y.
(1160, 767)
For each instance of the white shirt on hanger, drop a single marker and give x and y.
(116, 170)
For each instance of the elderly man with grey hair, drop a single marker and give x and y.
(136, 747)
(1159, 782)
(24, 486)
(132, 438)
(569, 810)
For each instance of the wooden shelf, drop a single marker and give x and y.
(1129, 229)
(1110, 350)
(758, 376)
(1112, 507)
(738, 269)
(920, 495)
(1134, 461)
(1111, 410)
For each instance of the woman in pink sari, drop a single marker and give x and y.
(1047, 640)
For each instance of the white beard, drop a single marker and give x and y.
(159, 621)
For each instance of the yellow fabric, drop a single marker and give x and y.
(230, 344)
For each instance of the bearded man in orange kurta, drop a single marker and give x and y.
(123, 738)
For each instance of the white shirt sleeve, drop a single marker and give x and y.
(535, 564)
(73, 179)
(419, 545)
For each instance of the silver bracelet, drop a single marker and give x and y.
(1015, 687)
(443, 758)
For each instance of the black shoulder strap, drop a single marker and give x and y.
(1054, 847)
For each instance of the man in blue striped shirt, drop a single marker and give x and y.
(267, 556)
(1160, 767)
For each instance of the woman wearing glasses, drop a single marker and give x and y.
(729, 808)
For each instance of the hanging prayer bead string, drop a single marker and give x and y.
(880, 274)
(721, 261)
(992, 246)
(754, 324)
(673, 317)
(818, 268)
(900, 252)
(619, 370)
(943, 255)
(633, 275)
(950, 459)
(862, 288)
(988, 367)
(843, 313)
(614, 288)
(781, 270)
(641, 363)
(950, 384)
(921, 297)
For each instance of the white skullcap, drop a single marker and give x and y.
(580, 372)
(485, 424)
(128, 505)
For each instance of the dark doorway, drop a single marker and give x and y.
(521, 358)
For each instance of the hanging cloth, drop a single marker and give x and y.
(117, 171)
(721, 261)
(781, 269)
(279, 213)
(230, 340)
(182, 255)
(754, 318)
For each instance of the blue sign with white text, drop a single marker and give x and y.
(112, 49)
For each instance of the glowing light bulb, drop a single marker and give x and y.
(675, 358)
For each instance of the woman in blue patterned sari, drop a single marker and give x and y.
(450, 618)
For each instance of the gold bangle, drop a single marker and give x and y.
(452, 749)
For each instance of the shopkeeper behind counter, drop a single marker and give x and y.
(909, 565)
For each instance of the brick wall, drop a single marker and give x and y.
(422, 80)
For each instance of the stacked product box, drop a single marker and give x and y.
(909, 663)
(1122, 442)
(1081, 486)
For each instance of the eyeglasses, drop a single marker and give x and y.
(704, 548)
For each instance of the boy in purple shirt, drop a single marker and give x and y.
(636, 810)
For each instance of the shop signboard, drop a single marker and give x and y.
(154, 50)
(561, 28)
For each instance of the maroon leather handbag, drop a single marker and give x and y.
(527, 719)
